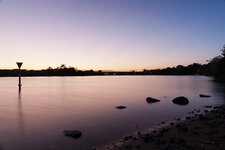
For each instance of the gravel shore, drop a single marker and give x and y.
(198, 131)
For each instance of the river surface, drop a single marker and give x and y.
(34, 118)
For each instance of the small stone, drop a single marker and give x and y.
(208, 106)
(93, 148)
(202, 118)
(151, 100)
(125, 138)
(178, 119)
(188, 118)
(72, 133)
(206, 111)
(204, 96)
(121, 107)
(106, 146)
(138, 146)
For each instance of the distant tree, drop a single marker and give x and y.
(215, 59)
(49, 68)
(63, 66)
(71, 68)
(217, 65)
(194, 68)
(180, 67)
(223, 52)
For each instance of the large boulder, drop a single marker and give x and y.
(72, 133)
(151, 100)
(204, 96)
(181, 100)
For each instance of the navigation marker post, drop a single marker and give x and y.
(19, 64)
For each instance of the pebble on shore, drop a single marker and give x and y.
(72, 133)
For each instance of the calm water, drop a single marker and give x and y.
(34, 119)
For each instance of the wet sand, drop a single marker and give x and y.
(201, 130)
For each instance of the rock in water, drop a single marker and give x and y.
(121, 107)
(72, 133)
(202, 95)
(181, 100)
(151, 100)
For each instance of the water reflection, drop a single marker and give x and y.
(20, 113)
(219, 87)
(35, 116)
(19, 88)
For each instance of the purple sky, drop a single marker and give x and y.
(110, 34)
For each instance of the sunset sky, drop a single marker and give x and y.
(110, 34)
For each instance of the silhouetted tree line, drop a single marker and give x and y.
(59, 71)
(215, 67)
(192, 69)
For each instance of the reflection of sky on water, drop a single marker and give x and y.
(34, 117)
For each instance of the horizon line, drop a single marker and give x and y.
(106, 70)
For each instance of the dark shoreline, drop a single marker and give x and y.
(197, 131)
(102, 75)
(63, 70)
